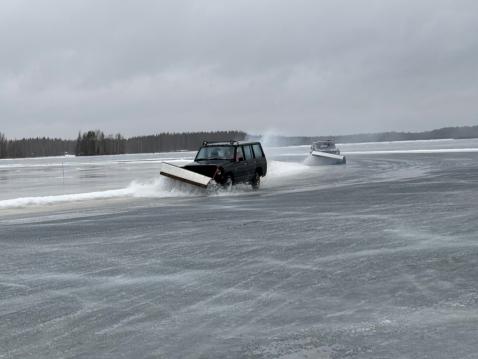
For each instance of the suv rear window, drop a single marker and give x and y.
(258, 151)
(247, 152)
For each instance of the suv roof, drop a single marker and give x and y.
(232, 143)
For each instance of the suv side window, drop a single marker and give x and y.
(247, 152)
(258, 151)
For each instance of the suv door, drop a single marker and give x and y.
(249, 163)
(241, 168)
(240, 165)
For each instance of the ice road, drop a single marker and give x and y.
(376, 259)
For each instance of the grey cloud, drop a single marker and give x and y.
(302, 67)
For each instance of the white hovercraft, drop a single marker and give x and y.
(325, 152)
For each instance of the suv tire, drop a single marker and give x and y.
(227, 185)
(256, 181)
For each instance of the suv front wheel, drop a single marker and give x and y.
(227, 184)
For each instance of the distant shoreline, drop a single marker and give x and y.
(96, 143)
(308, 144)
(463, 132)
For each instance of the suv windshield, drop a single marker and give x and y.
(215, 153)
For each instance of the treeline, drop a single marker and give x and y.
(34, 147)
(166, 142)
(442, 133)
(97, 143)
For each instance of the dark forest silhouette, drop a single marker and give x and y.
(93, 143)
(34, 147)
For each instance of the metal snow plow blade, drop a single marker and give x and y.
(327, 155)
(183, 175)
(328, 158)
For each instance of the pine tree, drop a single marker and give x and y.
(3, 146)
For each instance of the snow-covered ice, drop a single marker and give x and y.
(374, 259)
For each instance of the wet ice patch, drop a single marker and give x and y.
(297, 347)
(414, 151)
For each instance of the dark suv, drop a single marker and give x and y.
(231, 162)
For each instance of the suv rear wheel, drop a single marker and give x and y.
(256, 181)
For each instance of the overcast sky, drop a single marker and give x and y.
(295, 67)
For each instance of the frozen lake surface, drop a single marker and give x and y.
(375, 259)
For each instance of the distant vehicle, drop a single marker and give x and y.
(226, 163)
(325, 152)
